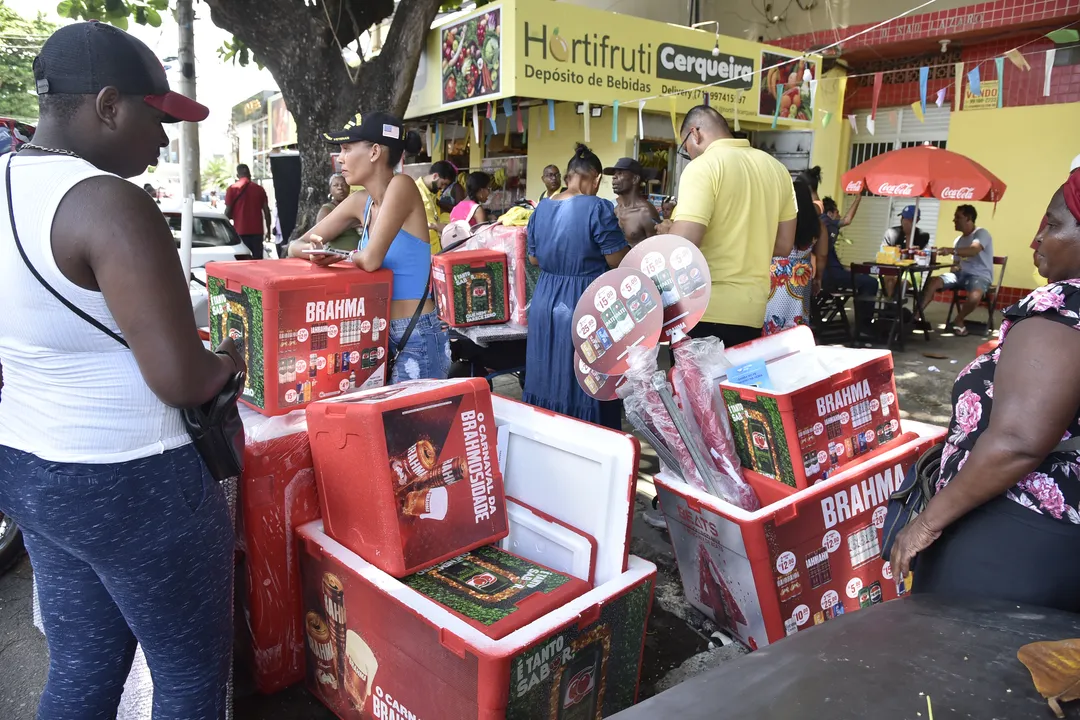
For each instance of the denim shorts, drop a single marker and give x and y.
(965, 281)
(427, 353)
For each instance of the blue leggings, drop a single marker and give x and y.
(136, 552)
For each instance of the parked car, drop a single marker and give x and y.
(213, 238)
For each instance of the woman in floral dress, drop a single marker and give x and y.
(792, 276)
(1005, 522)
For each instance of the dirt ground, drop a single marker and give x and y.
(679, 643)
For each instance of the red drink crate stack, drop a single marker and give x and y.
(277, 494)
(378, 647)
(805, 557)
(805, 431)
(408, 474)
(471, 287)
(307, 333)
(521, 274)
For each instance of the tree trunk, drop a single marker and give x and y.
(296, 43)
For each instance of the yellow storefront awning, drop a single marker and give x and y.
(563, 52)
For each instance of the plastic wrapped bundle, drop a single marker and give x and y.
(696, 363)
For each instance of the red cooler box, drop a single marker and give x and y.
(306, 332)
(522, 274)
(829, 406)
(408, 475)
(804, 558)
(276, 494)
(379, 649)
(470, 287)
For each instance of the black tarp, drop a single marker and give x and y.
(285, 168)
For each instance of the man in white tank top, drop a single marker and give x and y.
(128, 533)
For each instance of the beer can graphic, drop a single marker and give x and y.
(313, 365)
(598, 347)
(686, 286)
(646, 301)
(401, 473)
(449, 472)
(587, 352)
(360, 669)
(875, 593)
(477, 577)
(429, 504)
(636, 311)
(334, 602)
(420, 457)
(604, 338)
(322, 649)
(579, 688)
(864, 597)
(696, 279)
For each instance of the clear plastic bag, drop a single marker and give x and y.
(696, 363)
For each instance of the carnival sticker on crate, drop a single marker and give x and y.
(471, 287)
(619, 310)
(682, 276)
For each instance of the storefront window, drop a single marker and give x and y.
(260, 149)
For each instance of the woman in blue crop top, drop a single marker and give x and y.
(394, 235)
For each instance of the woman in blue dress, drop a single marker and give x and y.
(574, 238)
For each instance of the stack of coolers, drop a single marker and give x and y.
(487, 280)
(823, 450)
(306, 333)
(472, 558)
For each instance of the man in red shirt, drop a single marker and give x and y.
(246, 205)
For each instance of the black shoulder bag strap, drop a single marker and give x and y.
(230, 209)
(33, 271)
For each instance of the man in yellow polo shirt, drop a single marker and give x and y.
(738, 205)
(431, 186)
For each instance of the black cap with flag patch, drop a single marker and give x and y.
(83, 58)
(377, 127)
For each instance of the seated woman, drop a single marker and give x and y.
(574, 238)
(394, 236)
(1007, 510)
(478, 190)
(339, 192)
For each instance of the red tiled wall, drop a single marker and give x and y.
(1021, 87)
(1009, 296)
(1001, 14)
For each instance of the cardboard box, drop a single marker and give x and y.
(306, 332)
(378, 649)
(805, 557)
(804, 430)
(408, 475)
(470, 287)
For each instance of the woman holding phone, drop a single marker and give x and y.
(393, 235)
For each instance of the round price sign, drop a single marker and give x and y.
(619, 310)
(597, 385)
(681, 275)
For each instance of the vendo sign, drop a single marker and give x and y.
(962, 193)
(901, 189)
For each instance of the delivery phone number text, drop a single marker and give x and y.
(569, 77)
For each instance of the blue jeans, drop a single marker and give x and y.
(135, 552)
(965, 281)
(427, 353)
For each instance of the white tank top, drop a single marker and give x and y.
(71, 393)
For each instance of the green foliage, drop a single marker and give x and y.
(238, 52)
(21, 40)
(216, 174)
(115, 12)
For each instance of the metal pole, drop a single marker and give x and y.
(187, 222)
(189, 132)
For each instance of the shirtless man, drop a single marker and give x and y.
(638, 217)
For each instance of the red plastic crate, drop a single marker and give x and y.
(521, 274)
(806, 434)
(306, 332)
(378, 649)
(471, 287)
(804, 557)
(277, 493)
(408, 475)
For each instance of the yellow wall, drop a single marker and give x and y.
(556, 148)
(831, 143)
(1030, 149)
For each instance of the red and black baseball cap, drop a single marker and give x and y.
(83, 58)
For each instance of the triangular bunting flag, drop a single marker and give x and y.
(428, 145)
(813, 94)
(776, 110)
(1064, 36)
(974, 81)
(674, 108)
(588, 124)
(641, 120)
(708, 100)
(854, 123)
(1050, 55)
(476, 122)
(808, 74)
(916, 107)
(1000, 62)
(870, 125)
(520, 121)
(738, 101)
(551, 115)
(940, 101)
(958, 89)
(924, 78)
(615, 122)
(879, 78)
(894, 118)
(1017, 58)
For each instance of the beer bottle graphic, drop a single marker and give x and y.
(759, 437)
(479, 297)
(476, 577)
(235, 330)
(579, 688)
